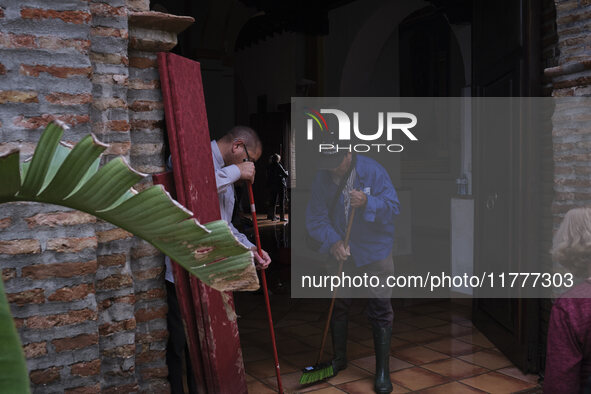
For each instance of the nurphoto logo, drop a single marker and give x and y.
(395, 121)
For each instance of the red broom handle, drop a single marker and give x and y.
(265, 291)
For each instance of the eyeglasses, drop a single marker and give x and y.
(247, 155)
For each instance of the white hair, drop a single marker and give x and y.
(571, 245)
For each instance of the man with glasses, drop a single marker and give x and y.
(233, 160)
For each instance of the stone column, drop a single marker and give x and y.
(149, 33)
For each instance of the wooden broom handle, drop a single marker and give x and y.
(334, 293)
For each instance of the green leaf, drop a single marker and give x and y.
(40, 163)
(106, 186)
(14, 376)
(61, 152)
(71, 177)
(10, 175)
(82, 160)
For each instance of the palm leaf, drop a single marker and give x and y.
(14, 377)
(62, 175)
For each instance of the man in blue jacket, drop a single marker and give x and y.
(348, 181)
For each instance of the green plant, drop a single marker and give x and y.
(70, 176)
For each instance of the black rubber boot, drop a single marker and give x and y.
(338, 330)
(381, 341)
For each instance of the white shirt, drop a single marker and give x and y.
(225, 177)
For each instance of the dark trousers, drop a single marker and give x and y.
(177, 351)
(379, 304)
(277, 197)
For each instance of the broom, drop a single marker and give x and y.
(265, 291)
(321, 371)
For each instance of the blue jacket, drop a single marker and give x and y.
(372, 234)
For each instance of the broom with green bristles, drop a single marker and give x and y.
(321, 371)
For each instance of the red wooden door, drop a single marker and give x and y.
(209, 316)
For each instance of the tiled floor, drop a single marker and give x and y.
(434, 349)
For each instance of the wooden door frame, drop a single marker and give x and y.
(526, 203)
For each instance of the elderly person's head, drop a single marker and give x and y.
(240, 144)
(571, 245)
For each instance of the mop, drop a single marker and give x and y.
(265, 290)
(321, 371)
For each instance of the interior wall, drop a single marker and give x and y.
(270, 67)
(362, 59)
(373, 26)
(218, 89)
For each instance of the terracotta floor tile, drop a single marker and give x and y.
(302, 360)
(450, 316)
(319, 323)
(314, 341)
(369, 364)
(394, 343)
(313, 305)
(491, 359)
(424, 334)
(397, 389)
(516, 373)
(397, 342)
(288, 347)
(397, 364)
(328, 390)
(476, 338)
(426, 309)
(252, 323)
(494, 382)
(254, 353)
(399, 327)
(291, 383)
(287, 322)
(452, 329)
(302, 330)
(465, 323)
(451, 388)
(256, 387)
(266, 368)
(418, 336)
(424, 321)
(417, 378)
(360, 333)
(260, 369)
(418, 355)
(400, 314)
(362, 386)
(349, 374)
(356, 350)
(452, 347)
(454, 368)
(365, 386)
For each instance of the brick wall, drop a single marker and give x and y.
(88, 298)
(565, 165)
(571, 77)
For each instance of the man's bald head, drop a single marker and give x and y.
(234, 141)
(245, 134)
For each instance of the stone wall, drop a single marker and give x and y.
(566, 168)
(571, 136)
(88, 298)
